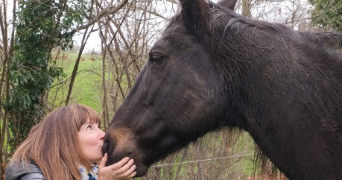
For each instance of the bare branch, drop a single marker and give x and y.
(104, 12)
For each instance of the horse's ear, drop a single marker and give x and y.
(230, 4)
(195, 15)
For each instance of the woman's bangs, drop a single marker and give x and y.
(84, 114)
(92, 115)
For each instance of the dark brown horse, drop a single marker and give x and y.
(213, 68)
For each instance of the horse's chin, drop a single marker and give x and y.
(141, 170)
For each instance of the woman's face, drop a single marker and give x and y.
(90, 138)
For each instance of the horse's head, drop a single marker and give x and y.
(175, 98)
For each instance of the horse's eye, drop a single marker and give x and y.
(156, 58)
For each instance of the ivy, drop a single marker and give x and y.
(41, 26)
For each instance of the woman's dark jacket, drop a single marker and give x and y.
(21, 171)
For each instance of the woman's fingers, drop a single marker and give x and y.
(128, 173)
(119, 164)
(122, 169)
(103, 161)
(132, 175)
(126, 167)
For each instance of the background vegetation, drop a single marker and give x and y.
(43, 66)
(327, 14)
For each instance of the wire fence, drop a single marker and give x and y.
(219, 155)
(202, 160)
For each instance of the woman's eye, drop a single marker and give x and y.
(156, 58)
(89, 127)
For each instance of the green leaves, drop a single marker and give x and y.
(327, 14)
(41, 25)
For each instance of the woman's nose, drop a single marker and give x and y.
(102, 134)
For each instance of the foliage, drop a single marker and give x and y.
(327, 14)
(87, 89)
(41, 25)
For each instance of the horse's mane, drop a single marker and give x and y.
(220, 15)
(327, 45)
(223, 20)
(224, 17)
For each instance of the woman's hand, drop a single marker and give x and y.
(123, 169)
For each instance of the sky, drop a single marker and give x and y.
(278, 11)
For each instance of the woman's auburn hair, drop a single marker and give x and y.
(53, 144)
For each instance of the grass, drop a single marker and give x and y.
(87, 85)
(214, 156)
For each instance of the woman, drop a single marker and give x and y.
(66, 144)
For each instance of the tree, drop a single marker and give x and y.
(40, 26)
(327, 14)
(27, 67)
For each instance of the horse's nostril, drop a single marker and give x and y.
(108, 146)
(129, 153)
(104, 147)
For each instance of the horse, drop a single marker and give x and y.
(213, 68)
